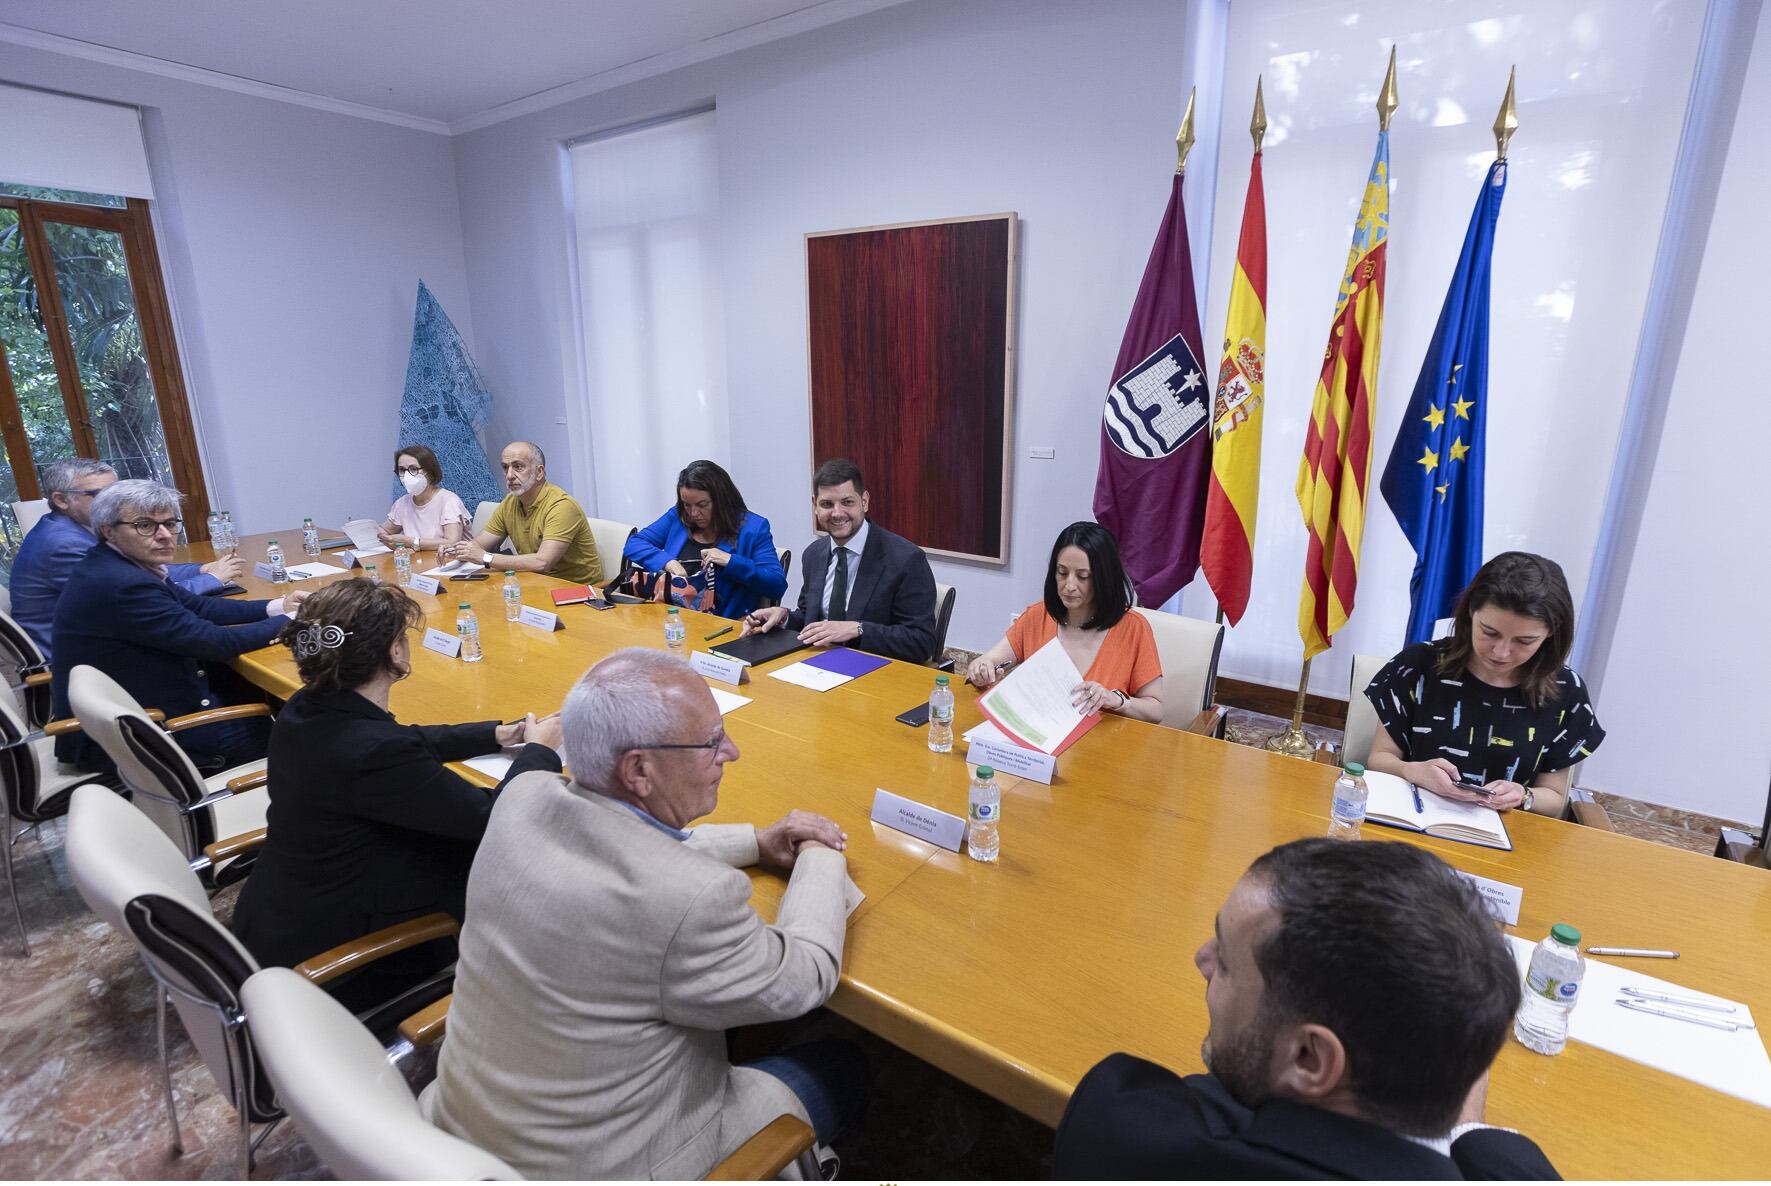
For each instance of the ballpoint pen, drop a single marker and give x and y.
(717, 634)
(1711, 1023)
(1419, 807)
(1647, 953)
(1682, 1002)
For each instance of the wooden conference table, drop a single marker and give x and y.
(1019, 976)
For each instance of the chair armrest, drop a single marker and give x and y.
(214, 716)
(1591, 815)
(1209, 722)
(40, 679)
(72, 725)
(248, 782)
(348, 957)
(766, 1154)
(425, 1027)
(1326, 754)
(233, 846)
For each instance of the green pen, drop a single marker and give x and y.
(717, 634)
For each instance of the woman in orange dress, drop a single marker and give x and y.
(1087, 608)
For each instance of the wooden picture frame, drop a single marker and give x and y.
(911, 373)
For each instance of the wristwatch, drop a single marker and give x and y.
(860, 627)
(1525, 804)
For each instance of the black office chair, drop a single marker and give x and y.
(1737, 844)
(26, 670)
(944, 598)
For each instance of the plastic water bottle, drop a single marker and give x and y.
(1350, 794)
(310, 538)
(941, 717)
(230, 539)
(468, 627)
(372, 573)
(674, 632)
(513, 598)
(983, 813)
(402, 566)
(215, 531)
(273, 554)
(1552, 988)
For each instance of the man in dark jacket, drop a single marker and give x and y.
(1358, 993)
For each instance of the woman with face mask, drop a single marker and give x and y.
(368, 827)
(426, 516)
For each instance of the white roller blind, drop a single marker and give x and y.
(59, 142)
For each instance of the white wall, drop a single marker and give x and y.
(1686, 699)
(293, 241)
(1065, 113)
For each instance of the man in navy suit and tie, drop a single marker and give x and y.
(864, 587)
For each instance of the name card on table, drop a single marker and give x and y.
(730, 671)
(263, 571)
(441, 643)
(426, 585)
(918, 820)
(990, 748)
(539, 618)
(350, 558)
(1502, 899)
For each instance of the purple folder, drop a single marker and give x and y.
(843, 661)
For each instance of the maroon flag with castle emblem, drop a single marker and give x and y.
(1155, 453)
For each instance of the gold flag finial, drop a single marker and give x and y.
(1507, 122)
(1184, 137)
(1257, 127)
(1386, 98)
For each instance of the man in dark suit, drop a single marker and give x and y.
(877, 595)
(119, 613)
(1357, 995)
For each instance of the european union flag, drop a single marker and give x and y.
(1433, 480)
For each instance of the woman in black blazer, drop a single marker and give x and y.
(367, 826)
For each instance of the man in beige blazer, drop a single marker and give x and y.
(606, 950)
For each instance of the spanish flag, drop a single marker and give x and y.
(1226, 552)
(1336, 468)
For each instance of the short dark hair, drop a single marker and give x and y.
(835, 472)
(728, 505)
(427, 461)
(1387, 946)
(341, 635)
(1113, 595)
(1532, 587)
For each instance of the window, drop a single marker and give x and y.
(87, 362)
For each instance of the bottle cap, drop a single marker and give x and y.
(464, 605)
(272, 544)
(986, 772)
(671, 610)
(1563, 933)
(940, 681)
(1354, 768)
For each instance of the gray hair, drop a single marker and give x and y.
(535, 453)
(620, 704)
(136, 494)
(59, 476)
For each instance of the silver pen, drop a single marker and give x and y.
(1647, 953)
(1711, 1023)
(1643, 994)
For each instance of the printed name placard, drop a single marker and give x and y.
(1501, 898)
(1008, 758)
(263, 572)
(918, 820)
(441, 643)
(350, 558)
(539, 618)
(426, 585)
(730, 671)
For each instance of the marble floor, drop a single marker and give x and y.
(80, 1094)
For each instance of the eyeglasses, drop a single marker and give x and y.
(82, 493)
(411, 470)
(719, 739)
(146, 528)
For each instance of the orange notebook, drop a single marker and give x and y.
(575, 595)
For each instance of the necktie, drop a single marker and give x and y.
(839, 591)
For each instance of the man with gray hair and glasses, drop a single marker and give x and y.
(607, 950)
(63, 537)
(120, 613)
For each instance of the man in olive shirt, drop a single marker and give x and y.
(544, 524)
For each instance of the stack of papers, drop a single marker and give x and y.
(727, 701)
(364, 538)
(830, 670)
(1032, 704)
(312, 569)
(453, 568)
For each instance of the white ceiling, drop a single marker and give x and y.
(452, 64)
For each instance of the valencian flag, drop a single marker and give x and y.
(1226, 552)
(1336, 467)
(1150, 489)
(1433, 481)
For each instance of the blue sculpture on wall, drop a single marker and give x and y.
(446, 404)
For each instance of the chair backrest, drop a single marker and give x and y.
(786, 555)
(5, 600)
(134, 878)
(19, 765)
(611, 542)
(28, 513)
(165, 782)
(1362, 723)
(351, 1104)
(1189, 649)
(481, 515)
(21, 656)
(944, 599)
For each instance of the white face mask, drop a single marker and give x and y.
(414, 483)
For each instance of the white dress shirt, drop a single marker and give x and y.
(856, 544)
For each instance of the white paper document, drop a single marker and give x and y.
(364, 540)
(312, 569)
(1731, 1062)
(727, 701)
(453, 568)
(493, 765)
(807, 676)
(1032, 703)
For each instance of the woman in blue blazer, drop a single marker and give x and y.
(713, 541)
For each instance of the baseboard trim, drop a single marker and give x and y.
(1327, 711)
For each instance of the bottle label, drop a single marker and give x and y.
(985, 813)
(942, 713)
(1563, 992)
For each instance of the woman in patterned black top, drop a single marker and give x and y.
(1492, 714)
